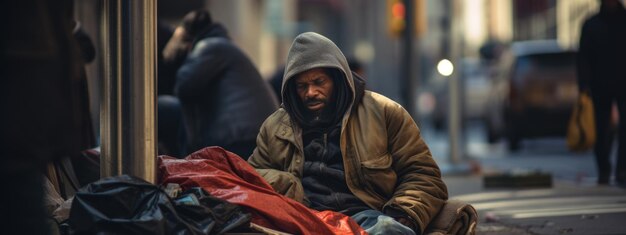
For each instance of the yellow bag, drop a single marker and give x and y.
(581, 131)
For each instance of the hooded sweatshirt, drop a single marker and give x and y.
(323, 177)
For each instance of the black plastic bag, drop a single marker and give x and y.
(129, 205)
(195, 203)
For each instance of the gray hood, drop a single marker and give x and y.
(311, 50)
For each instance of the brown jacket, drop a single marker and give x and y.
(387, 164)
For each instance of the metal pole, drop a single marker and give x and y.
(128, 103)
(407, 80)
(454, 118)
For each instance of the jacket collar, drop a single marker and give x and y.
(287, 130)
(215, 30)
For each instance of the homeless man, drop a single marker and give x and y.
(335, 146)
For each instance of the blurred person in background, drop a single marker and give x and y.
(601, 72)
(335, 146)
(223, 97)
(44, 112)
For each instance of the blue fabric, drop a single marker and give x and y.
(375, 222)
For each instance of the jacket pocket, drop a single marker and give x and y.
(379, 175)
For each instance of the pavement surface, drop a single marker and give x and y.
(573, 204)
(565, 208)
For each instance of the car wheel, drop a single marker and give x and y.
(513, 135)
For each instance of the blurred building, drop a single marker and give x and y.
(534, 19)
(552, 19)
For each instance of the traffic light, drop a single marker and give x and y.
(397, 17)
(396, 12)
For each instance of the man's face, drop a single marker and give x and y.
(315, 89)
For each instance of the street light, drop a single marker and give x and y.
(445, 67)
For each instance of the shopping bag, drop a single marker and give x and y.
(581, 130)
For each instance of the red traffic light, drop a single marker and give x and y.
(398, 10)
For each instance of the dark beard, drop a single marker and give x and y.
(312, 101)
(322, 118)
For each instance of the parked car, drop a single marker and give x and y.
(535, 92)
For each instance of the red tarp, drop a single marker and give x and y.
(227, 176)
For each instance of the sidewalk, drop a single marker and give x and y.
(573, 205)
(570, 206)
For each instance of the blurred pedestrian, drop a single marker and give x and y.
(601, 72)
(224, 99)
(335, 146)
(43, 113)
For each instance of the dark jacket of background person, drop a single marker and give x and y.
(602, 51)
(386, 163)
(601, 64)
(224, 98)
(42, 109)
